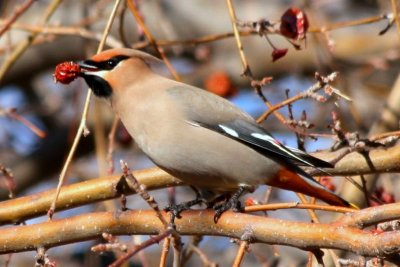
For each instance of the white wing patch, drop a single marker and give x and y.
(229, 130)
(296, 150)
(193, 123)
(265, 137)
(275, 143)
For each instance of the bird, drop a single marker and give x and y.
(196, 136)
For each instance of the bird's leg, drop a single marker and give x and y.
(176, 209)
(232, 203)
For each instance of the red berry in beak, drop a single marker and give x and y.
(66, 72)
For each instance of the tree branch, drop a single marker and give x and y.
(264, 229)
(79, 194)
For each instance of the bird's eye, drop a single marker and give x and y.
(111, 63)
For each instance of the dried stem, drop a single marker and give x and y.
(9, 180)
(297, 205)
(22, 46)
(384, 135)
(314, 88)
(112, 42)
(164, 252)
(244, 246)
(247, 71)
(11, 113)
(111, 144)
(239, 44)
(396, 16)
(82, 130)
(346, 24)
(62, 30)
(136, 249)
(315, 219)
(17, 13)
(149, 36)
(141, 190)
(206, 262)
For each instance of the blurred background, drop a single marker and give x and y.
(367, 62)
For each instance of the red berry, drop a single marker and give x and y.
(220, 84)
(250, 202)
(66, 72)
(294, 24)
(326, 181)
(278, 53)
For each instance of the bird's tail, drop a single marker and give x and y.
(290, 180)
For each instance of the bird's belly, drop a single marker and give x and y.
(212, 161)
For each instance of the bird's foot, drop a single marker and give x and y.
(176, 209)
(232, 203)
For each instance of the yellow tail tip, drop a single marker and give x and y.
(354, 206)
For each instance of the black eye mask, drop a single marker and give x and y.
(108, 64)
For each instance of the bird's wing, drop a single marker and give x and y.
(204, 109)
(260, 140)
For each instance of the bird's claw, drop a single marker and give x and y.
(233, 203)
(176, 209)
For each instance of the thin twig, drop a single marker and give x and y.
(9, 180)
(164, 252)
(111, 144)
(311, 212)
(17, 13)
(82, 130)
(257, 85)
(365, 190)
(8, 260)
(74, 31)
(112, 42)
(202, 255)
(297, 205)
(346, 24)
(239, 44)
(315, 219)
(11, 113)
(136, 249)
(151, 39)
(100, 141)
(244, 246)
(396, 17)
(22, 46)
(141, 190)
(384, 135)
(194, 41)
(112, 245)
(320, 84)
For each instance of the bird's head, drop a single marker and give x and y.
(114, 69)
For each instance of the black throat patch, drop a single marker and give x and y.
(99, 86)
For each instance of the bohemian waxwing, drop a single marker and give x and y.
(194, 135)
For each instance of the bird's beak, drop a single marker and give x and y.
(95, 77)
(88, 67)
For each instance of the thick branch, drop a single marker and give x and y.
(264, 229)
(79, 194)
(371, 216)
(375, 161)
